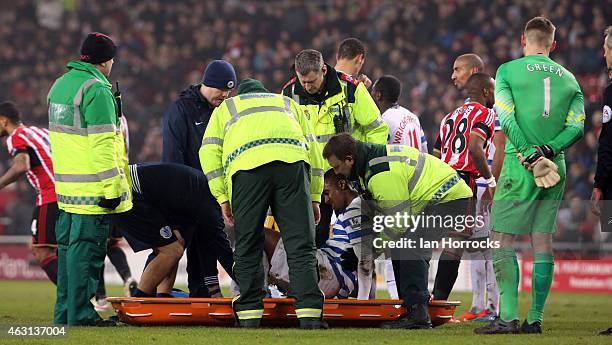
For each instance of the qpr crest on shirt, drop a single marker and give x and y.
(165, 232)
(607, 113)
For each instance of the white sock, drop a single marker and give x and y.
(390, 279)
(492, 292)
(478, 276)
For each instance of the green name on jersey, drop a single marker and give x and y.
(532, 67)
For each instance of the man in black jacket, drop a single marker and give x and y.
(602, 188)
(172, 203)
(184, 124)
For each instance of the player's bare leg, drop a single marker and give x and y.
(42, 252)
(47, 259)
(160, 267)
(271, 239)
(507, 274)
(166, 285)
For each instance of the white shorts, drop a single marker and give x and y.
(279, 270)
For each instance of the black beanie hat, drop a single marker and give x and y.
(97, 48)
(220, 74)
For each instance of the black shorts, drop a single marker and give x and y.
(146, 227)
(43, 225)
(606, 209)
(115, 234)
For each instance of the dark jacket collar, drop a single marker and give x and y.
(331, 87)
(193, 93)
(365, 153)
(361, 160)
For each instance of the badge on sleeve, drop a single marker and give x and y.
(607, 113)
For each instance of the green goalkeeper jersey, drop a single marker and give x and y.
(538, 102)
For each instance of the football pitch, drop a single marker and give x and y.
(569, 319)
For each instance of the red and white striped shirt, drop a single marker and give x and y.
(126, 134)
(455, 130)
(35, 142)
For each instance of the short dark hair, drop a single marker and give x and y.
(308, 60)
(341, 145)
(476, 82)
(540, 31)
(333, 178)
(390, 88)
(10, 111)
(350, 48)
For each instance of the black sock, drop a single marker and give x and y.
(199, 292)
(448, 270)
(214, 290)
(118, 259)
(212, 284)
(49, 265)
(164, 294)
(101, 291)
(140, 293)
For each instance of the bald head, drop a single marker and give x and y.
(465, 65)
(480, 88)
(472, 61)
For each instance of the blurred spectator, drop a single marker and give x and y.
(572, 220)
(20, 210)
(417, 41)
(49, 13)
(578, 227)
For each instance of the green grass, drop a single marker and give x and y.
(570, 319)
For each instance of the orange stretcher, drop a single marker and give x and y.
(278, 312)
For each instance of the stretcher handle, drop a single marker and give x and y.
(226, 301)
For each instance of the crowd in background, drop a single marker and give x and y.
(164, 46)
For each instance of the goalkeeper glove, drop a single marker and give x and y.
(545, 173)
(544, 170)
(541, 151)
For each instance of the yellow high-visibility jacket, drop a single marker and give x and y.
(254, 129)
(88, 151)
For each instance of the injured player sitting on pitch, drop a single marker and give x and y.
(346, 260)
